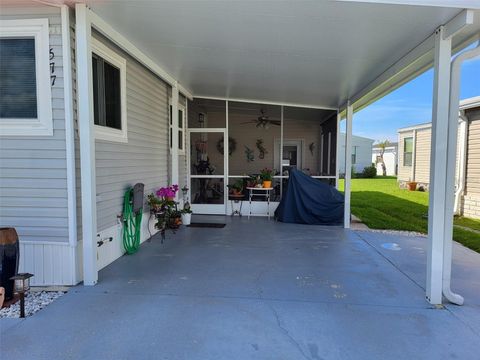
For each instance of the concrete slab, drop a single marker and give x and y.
(255, 289)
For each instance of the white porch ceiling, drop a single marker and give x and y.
(310, 52)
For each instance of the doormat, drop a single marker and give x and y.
(206, 225)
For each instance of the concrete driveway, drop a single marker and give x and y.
(258, 289)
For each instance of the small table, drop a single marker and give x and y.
(257, 191)
(236, 199)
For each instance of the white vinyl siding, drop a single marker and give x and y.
(33, 186)
(472, 185)
(144, 158)
(422, 156)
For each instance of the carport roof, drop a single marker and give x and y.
(318, 53)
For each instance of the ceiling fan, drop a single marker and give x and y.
(263, 121)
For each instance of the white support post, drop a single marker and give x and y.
(348, 165)
(87, 143)
(281, 149)
(455, 75)
(69, 141)
(322, 144)
(337, 151)
(174, 149)
(438, 167)
(226, 171)
(329, 153)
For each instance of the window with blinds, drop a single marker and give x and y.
(18, 80)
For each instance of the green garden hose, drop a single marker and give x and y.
(132, 224)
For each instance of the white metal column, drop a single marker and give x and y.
(337, 152)
(348, 164)
(87, 143)
(174, 128)
(69, 141)
(438, 167)
(450, 173)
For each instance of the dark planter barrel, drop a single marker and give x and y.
(9, 256)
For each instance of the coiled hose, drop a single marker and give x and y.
(132, 225)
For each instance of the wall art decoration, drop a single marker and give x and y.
(261, 149)
(249, 154)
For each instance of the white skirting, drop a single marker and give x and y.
(55, 263)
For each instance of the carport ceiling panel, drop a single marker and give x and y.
(317, 52)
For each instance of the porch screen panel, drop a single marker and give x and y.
(253, 131)
(206, 113)
(302, 130)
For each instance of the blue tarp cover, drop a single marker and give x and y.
(310, 201)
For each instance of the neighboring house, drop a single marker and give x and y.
(390, 158)
(361, 152)
(414, 157)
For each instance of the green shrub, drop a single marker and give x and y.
(369, 172)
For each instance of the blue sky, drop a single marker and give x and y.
(410, 104)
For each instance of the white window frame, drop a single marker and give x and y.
(43, 124)
(180, 130)
(104, 132)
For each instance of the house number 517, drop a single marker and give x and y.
(53, 77)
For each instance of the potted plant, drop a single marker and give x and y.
(412, 185)
(236, 188)
(186, 214)
(154, 202)
(267, 175)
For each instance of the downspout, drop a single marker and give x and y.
(455, 73)
(462, 161)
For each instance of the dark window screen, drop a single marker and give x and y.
(113, 117)
(18, 88)
(106, 94)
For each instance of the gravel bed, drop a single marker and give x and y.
(34, 302)
(396, 232)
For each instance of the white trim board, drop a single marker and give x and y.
(267, 102)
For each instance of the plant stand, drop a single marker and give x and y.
(236, 201)
(254, 191)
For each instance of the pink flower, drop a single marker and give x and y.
(167, 192)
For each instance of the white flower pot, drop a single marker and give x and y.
(186, 219)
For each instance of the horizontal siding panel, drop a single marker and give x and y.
(33, 195)
(33, 184)
(29, 211)
(472, 185)
(128, 170)
(49, 222)
(33, 163)
(144, 158)
(35, 173)
(54, 233)
(32, 143)
(32, 154)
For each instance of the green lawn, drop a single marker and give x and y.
(380, 204)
